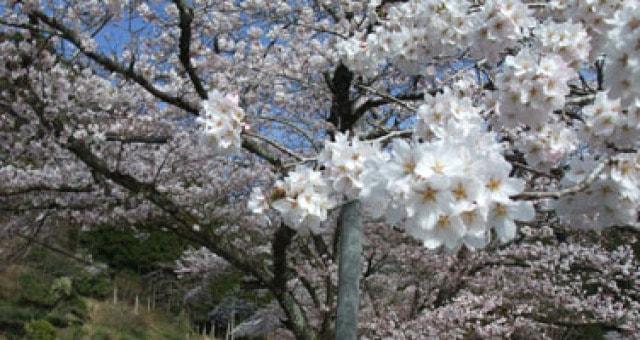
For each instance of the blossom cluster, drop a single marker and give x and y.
(445, 113)
(449, 183)
(569, 40)
(547, 147)
(594, 16)
(344, 162)
(443, 190)
(450, 191)
(612, 199)
(502, 24)
(607, 124)
(429, 28)
(360, 55)
(303, 199)
(199, 262)
(222, 121)
(414, 33)
(594, 283)
(623, 52)
(531, 88)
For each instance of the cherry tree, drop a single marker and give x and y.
(432, 149)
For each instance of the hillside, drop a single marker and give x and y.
(37, 305)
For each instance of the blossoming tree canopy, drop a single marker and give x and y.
(462, 124)
(450, 182)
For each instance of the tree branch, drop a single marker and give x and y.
(40, 188)
(115, 67)
(275, 145)
(55, 249)
(575, 324)
(387, 99)
(581, 186)
(216, 243)
(186, 17)
(112, 137)
(181, 215)
(296, 318)
(281, 241)
(129, 73)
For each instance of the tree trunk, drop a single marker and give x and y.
(349, 269)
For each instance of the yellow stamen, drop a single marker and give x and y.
(493, 184)
(429, 195)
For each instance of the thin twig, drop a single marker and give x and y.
(275, 144)
(387, 96)
(581, 186)
(43, 188)
(290, 124)
(530, 169)
(393, 134)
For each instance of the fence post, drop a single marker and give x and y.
(233, 324)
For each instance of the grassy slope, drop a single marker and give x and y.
(109, 321)
(103, 319)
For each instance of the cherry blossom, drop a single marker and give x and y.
(492, 145)
(222, 121)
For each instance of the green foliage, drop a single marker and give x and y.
(40, 330)
(613, 238)
(221, 286)
(51, 264)
(122, 250)
(588, 332)
(224, 285)
(39, 291)
(108, 321)
(60, 288)
(66, 273)
(69, 312)
(42, 287)
(230, 284)
(220, 289)
(95, 286)
(13, 316)
(35, 290)
(54, 290)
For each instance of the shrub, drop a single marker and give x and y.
(71, 311)
(95, 286)
(60, 288)
(40, 330)
(35, 290)
(122, 250)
